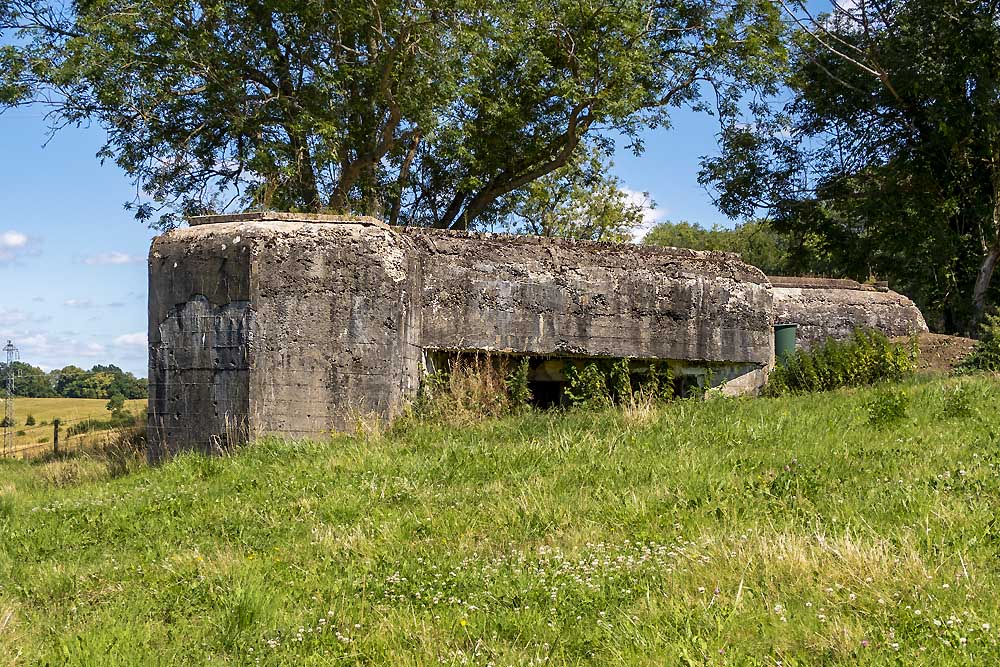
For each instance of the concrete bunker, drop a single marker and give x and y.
(291, 324)
(833, 308)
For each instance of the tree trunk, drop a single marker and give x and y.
(990, 259)
(983, 281)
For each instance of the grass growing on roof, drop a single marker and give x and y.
(726, 532)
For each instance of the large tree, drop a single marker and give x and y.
(581, 200)
(889, 150)
(425, 112)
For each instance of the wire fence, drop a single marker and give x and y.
(54, 434)
(39, 439)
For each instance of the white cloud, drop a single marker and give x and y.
(650, 214)
(13, 244)
(137, 339)
(12, 239)
(53, 350)
(79, 303)
(112, 259)
(9, 316)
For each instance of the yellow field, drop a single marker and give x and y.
(68, 410)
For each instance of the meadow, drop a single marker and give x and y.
(852, 527)
(69, 411)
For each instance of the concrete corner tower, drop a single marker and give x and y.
(291, 324)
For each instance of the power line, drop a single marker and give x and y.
(8, 424)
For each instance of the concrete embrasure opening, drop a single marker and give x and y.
(554, 380)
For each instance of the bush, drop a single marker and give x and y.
(985, 356)
(613, 382)
(30, 421)
(117, 420)
(865, 358)
(887, 407)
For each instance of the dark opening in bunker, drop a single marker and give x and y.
(559, 380)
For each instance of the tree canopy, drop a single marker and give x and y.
(425, 112)
(889, 151)
(581, 200)
(755, 241)
(74, 382)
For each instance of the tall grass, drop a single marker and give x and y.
(724, 532)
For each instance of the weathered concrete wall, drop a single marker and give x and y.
(201, 323)
(292, 324)
(825, 308)
(554, 296)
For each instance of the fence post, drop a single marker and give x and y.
(55, 437)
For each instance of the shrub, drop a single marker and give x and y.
(613, 382)
(588, 386)
(985, 356)
(887, 407)
(30, 421)
(21, 433)
(865, 358)
(518, 388)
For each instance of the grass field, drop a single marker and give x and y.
(852, 528)
(68, 410)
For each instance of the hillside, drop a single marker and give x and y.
(729, 532)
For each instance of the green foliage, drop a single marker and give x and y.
(582, 200)
(116, 405)
(866, 358)
(29, 381)
(517, 384)
(587, 386)
(887, 407)
(6, 423)
(74, 382)
(957, 401)
(615, 382)
(886, 160)
(30, 421)
(422, 113)
(758, 243)
(985, 356)
(98, 382)
(469, 387)
(658, 383)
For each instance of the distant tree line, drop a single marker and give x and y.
(74, 382)
(756, 241)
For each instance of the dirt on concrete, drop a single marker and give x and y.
(939, 352)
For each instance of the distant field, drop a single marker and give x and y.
(68, 410)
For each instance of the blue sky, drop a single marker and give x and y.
(72, 261)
